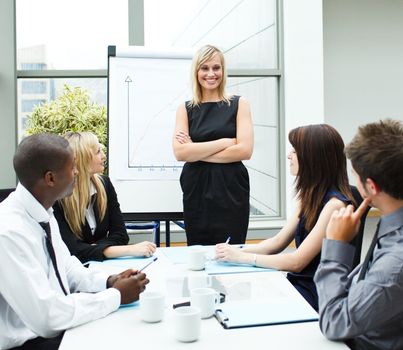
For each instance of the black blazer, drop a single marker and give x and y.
(109, 232)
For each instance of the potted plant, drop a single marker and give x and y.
(71, 111)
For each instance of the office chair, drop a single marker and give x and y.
(357, 241)
(4, 192)
(154, 225)
(181, 224)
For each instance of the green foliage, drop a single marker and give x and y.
(71, 111)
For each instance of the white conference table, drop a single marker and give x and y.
(124, 328)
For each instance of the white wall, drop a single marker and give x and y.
(303, 70)
(352, 75)
(363, 62)
(7, 94)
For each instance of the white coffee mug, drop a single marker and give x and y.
(197, 258)
(187, 323)
(206, 299)
(152, 305)
(198, 280)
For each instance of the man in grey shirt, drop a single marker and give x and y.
(364, 307)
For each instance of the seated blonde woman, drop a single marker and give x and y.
(90, 220)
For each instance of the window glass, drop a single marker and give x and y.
(33, 87)
(28, 105)
(238, 27)
(262, 95)
(71, 34)
(32, 66)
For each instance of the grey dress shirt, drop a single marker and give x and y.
(367, 314)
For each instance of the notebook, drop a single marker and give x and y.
(248, 313)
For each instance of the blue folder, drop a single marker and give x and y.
(215, 267)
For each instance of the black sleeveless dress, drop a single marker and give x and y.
(215, 196)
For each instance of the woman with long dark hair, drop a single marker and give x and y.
(319, 164)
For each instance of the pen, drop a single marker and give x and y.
(228, 239)
(148, 264)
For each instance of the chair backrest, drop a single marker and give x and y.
(5, 192)
(141, 225)
(357, 241)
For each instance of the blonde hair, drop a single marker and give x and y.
(84, 145)
(204, 54)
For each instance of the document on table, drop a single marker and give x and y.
(248, 313)
(179, 255)
(128, 262)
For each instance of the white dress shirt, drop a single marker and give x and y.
(89, 212)
(32, 303)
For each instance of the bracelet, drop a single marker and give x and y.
(254, 259)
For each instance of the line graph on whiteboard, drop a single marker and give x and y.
(150, 127)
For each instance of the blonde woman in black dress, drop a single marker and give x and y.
(213, 134)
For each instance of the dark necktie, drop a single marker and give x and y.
(368, 257)
(51, 251)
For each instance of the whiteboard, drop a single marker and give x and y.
(145, 87)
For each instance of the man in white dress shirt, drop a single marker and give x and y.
(43, 295)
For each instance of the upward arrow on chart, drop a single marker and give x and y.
(128, 80)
